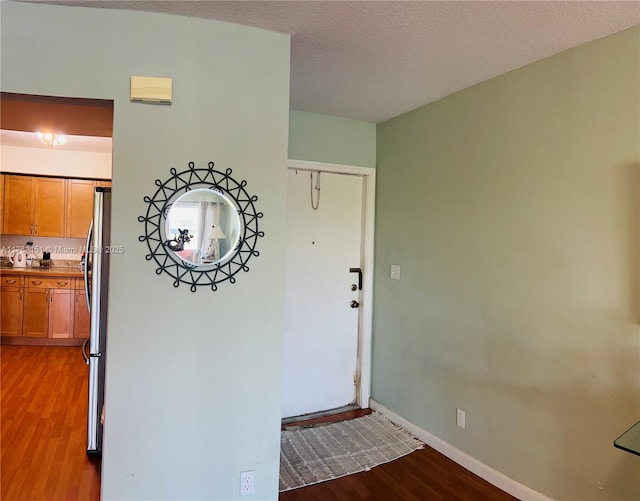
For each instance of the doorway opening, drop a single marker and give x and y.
(55, 152)
(329, 285)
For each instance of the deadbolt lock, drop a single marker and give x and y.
(354, 287)
(354, 304)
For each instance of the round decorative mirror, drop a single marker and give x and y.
(201, 227)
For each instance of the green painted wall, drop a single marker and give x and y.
(323, 138)
(512, 208)
(193, 381)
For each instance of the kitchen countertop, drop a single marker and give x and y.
(43, 272)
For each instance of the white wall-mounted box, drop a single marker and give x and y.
(151, 89)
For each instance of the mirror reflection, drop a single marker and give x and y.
(203, 227)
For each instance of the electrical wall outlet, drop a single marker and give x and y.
(246, 483)
(395, 271)
(460, 418)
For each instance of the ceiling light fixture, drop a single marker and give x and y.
(51, 138)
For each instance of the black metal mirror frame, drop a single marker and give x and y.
(157, 210)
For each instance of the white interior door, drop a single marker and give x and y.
(321, 327)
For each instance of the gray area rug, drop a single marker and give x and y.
(324, 452)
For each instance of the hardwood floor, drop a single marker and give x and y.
(43, 394)
(423, 475)
(334, 418)
(43, 398)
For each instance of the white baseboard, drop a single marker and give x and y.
(462, 458)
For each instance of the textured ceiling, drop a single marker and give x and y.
(374, 60)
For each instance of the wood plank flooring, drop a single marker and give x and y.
(43, 399)
(423, 475)
(43, 393)
(334, 418)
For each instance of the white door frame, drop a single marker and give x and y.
(365, 312)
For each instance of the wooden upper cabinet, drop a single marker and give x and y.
(80, 194)
(79, 207)
(49, 207)
(19, 205)
(34, 206)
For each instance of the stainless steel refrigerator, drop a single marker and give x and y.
(96, 278)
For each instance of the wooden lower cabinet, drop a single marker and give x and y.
(42, 309)
(11, 299)
(61, 313)
(81, 318)
(35, 319)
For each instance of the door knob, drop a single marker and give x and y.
(354, 304)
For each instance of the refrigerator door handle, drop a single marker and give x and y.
(84, 351)
(87, 288)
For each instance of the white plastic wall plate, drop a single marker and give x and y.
(151, 89)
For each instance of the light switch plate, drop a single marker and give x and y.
(395, 271)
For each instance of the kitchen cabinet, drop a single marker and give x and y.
(80, 205)
(35, 320)
(11, 300)
(49, 207)
(18, 205)
(43, 308)
(48, 308)
(81, 318)
(61, 303)
(34, 206)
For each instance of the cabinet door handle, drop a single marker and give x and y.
(46, 296)
(10, 282)
(36, 229)
(36, 282)
(20, 294)
(62, 284)
(51, 296)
